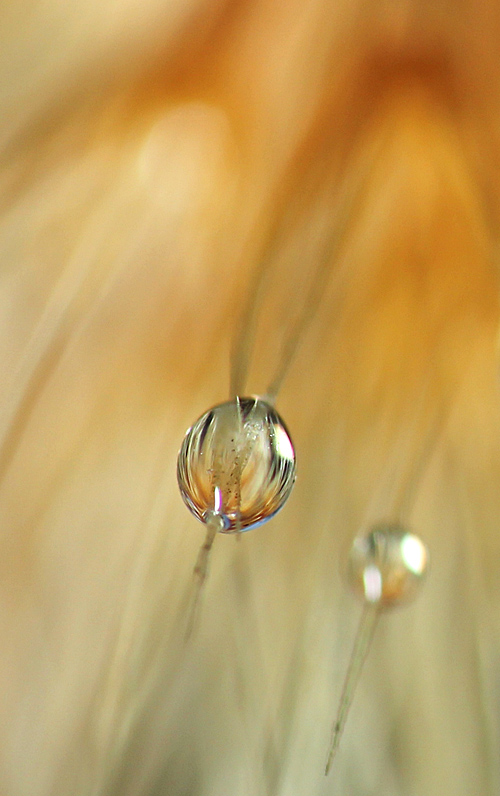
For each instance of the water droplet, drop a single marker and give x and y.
(387, 565)
(237, 462)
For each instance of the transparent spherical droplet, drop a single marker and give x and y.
(387, 565)
(237, 462)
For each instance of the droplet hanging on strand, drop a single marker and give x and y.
(385, 569)
(387, 565)
(238, 462)
(236, 469)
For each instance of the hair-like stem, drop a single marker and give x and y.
(362, 642)
(214, 524)
(350, 194)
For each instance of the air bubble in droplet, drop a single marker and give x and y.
(237, 462)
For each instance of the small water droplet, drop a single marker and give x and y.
(387, 565)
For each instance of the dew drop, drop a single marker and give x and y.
(387, 565)
(237, 462)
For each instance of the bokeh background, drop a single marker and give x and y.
(165, 166)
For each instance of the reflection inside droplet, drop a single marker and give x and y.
(414, 554)
(372, 582)
(217, 500)
(283, 443)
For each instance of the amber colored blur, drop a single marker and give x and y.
(195, 193)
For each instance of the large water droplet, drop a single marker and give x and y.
(237, 462)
